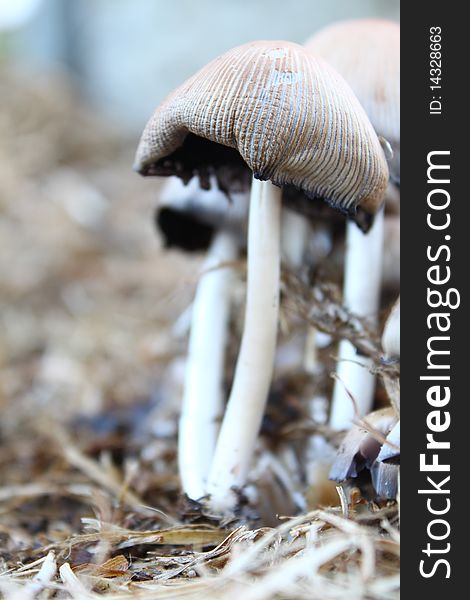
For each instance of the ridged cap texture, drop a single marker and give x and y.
(289, 116)
(366, 52)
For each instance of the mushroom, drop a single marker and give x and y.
(367, 54)
(189, 217)
(273, 110)
(194, 219)
(360, 449)
(390, 259)
(388, 458)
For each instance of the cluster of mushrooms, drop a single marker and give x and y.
(248, 142)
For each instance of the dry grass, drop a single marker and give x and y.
(89, 396)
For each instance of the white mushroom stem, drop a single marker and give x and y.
(202, 405)
(391, 257)
(295, 233)
(391, 333)
(295, 230)
(391, 348)
(361, 295)
(245, 408)
(311, 351)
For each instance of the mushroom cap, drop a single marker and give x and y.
(391, 333)
(360, 449)
(187, 216)
(367, 54)
(272, 107)
(391, 451)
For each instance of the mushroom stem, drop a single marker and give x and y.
(311, 351)
(202, 399)
(361, 295)
(295, 230)
(295, 233)
(245, 408)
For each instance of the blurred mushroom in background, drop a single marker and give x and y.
(191, 218)
(367, 54)
(360, 449)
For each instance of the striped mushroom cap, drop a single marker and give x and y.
(367, 54)
(276, 109)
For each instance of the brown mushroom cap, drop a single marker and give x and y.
(275, 108)
(367, 54)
